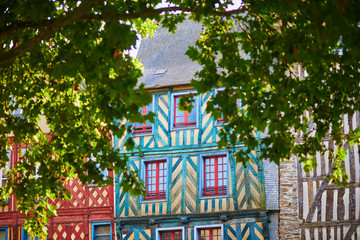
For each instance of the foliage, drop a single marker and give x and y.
(295, 57)
(68, 62)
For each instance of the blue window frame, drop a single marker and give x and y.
(25, 236)
(4, 233)
(101, 231)
(214, 175)
(105, 172)
(154, 172)
(183, 119)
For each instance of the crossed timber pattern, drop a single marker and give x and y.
(328, 211)
(98, 196)
(206, 133)
(245, 189)
(141, 234)
(244, 231)
(240, 231)
(68, 232)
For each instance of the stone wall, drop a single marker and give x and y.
(271, 179)
(289, 222)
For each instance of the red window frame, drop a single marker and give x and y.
(209, 233)
(184, 114)
(155, 179)
(215, 175)
(164, 235)
(147, 126)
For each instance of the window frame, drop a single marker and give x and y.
(197, 228)
(238, 104)
(144, 163)
(37, 165)
(6, 231)
(168, 229)
(17, 112)
(202, 175)
(25, 236)
(105, 172)
(96, 224)
(9, 155)
(173, 110)
(145, 133)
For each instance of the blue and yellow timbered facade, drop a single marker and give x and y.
(193, 189)
(237, 207)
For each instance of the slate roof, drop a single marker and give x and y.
(164, 59)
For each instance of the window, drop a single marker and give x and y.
(211, 232)
(144, 128)
(17, 112)
(104, 173)
(220, 120)
(3, 233)
(37, 165)
(184, 119)
(171, 235)
(155, 179)
(4, 172)
(101, 231)
(25, 236)
(176, 233)
(215, 175)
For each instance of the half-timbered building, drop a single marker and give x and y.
(88, 215)
(311, 206)
(193, 189)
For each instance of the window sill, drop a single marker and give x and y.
(141, 134)
(184, 128)
(219, 124)
(213, 196)
(146, 201)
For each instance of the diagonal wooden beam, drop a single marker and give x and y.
(351, 231)
(318, 195)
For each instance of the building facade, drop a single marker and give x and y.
(88, 215)
(311, 207)
(193, 189)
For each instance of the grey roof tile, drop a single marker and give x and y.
(164, 59)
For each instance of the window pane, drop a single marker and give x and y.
(192, 118)
(209, 234)
(2, 234)
(171, 235)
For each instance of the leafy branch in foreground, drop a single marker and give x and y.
(279, 58)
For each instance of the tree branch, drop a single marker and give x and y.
(48, 30)
(19, 25)
(51, 26)
(153, 12)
